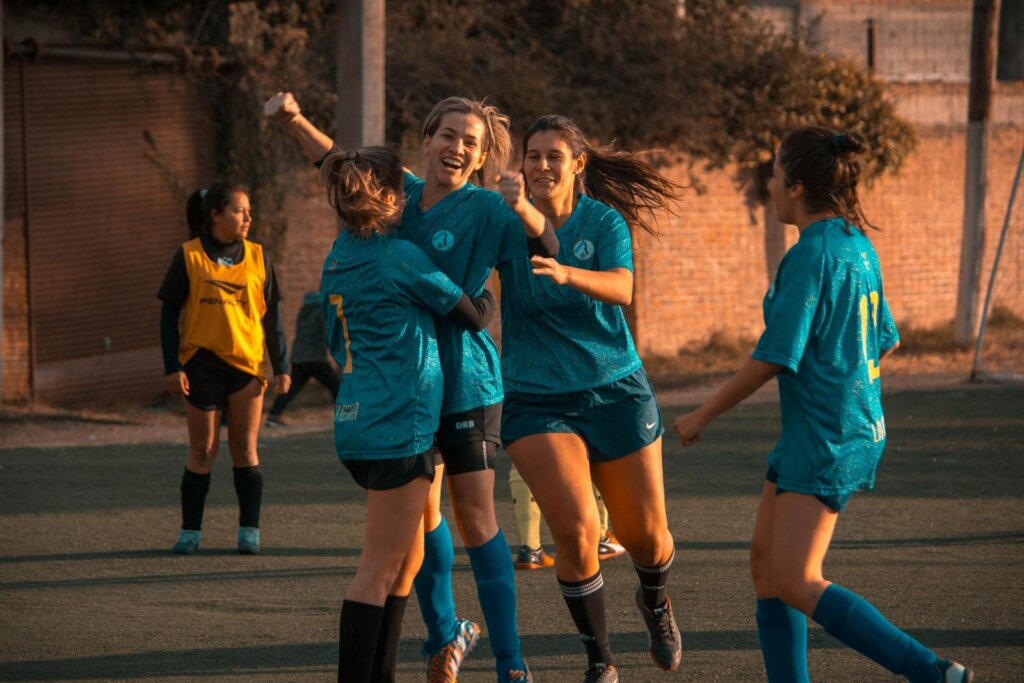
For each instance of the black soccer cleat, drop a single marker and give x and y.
(663, 634)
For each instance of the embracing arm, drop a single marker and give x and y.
(283, 108)
(613, 286)
(473, 314)
(751, 377)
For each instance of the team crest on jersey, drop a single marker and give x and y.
(583, 250)
(443, 240)
(346, 412)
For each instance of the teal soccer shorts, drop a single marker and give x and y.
(613, 420)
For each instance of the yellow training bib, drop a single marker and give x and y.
(225, 307)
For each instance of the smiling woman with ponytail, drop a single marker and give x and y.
(827, 330)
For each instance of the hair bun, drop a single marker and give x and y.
(847, 143)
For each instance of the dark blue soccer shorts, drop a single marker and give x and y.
(613, 420)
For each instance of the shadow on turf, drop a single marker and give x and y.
(870, 543)
(683, 546)
(157, 553)
(304, 658)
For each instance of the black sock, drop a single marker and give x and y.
(249, 487)
(586, 605)
(653, 581)
(385, 661)
(357, 640)
(194, 488)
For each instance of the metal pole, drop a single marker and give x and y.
(995, 265)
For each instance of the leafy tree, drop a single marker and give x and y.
(709, 79)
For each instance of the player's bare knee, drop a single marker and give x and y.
(201, 457)
(793, 588)
(382, 570)
(573, 536)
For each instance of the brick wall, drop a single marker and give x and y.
(707, 272)
(312, 227)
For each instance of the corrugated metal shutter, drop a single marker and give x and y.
(105, 216)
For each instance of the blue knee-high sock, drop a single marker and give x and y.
(433, 585)
(855, 621)
(496, 587)
(782, 631)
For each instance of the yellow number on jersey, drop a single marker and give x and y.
(873, 370)
(336, 300)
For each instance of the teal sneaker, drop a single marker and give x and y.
(188, 542)
(248, 540)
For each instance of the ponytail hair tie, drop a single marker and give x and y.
(352, 156)
(202, 193)
(838, 143)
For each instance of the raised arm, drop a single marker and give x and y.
(539, 230)
(284, 109)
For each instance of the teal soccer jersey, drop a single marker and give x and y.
(466, 234)
(380, 298)
(555, 338)
(827, 323)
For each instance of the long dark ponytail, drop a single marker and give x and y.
(617, 178)
(825, 162)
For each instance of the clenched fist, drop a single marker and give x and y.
(282, 107)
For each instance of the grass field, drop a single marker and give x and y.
(89, 592)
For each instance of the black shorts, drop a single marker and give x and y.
(211, 380)
(390, 473)
(469, 440)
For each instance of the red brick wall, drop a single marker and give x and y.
(312, 227)
(707, 272)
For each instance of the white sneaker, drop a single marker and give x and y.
(954, 672)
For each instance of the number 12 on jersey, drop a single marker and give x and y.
(336, 300)
(873, 370)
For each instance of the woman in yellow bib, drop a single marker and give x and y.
(221, 310)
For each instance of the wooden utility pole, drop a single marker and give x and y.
(2, 205)
(360, 69)
(984, 33)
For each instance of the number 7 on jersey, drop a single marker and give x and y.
(336, 300)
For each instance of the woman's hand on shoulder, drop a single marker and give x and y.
(282, 383)
(177, 383)
(282, 107)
